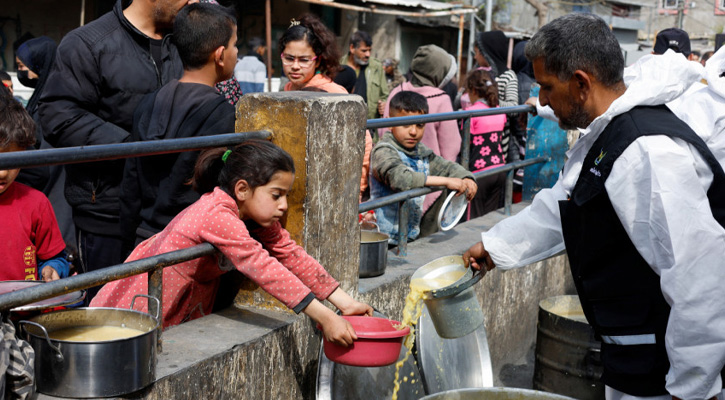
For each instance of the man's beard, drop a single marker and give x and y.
(578, 118)
(359, 61)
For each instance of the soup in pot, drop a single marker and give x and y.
(94, 333)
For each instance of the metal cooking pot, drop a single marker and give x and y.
(93, 369)
(373, 253)
(454, 309)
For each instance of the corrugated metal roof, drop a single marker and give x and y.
(425, 4)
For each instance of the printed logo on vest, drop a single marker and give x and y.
(602, 153)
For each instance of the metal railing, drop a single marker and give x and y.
(154, 265)
(401, 197)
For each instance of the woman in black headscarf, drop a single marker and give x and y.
(34, 58)
(491, 50)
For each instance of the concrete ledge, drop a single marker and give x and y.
(250, 353)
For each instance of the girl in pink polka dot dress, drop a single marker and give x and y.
(245, 197)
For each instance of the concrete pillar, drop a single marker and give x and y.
(324, 134)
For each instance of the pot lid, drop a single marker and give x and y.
(447, 364)
(452, 211)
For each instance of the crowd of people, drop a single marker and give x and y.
(646, 171)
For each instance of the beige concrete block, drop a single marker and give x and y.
(324, 134)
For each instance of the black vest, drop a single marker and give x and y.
(619, 292)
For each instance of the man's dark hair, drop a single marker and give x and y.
(4, 76)
(706, 56)
(16, 125)
(360, 37)
(578, 42)
(199, 29)
(408, 101)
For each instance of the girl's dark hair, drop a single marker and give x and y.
(322, 41)
(480, 82)
(16, 125)
(255, 161)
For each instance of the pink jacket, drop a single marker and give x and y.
(267, 256)
(321, 82)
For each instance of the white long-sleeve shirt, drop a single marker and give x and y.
(658, 189)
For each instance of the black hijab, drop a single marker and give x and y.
(494, 46)
(38, 55)
(520, 64)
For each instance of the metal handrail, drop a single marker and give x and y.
(401, 197)
(425, 118)
(101, 152)
(409, 194)
(101, 276)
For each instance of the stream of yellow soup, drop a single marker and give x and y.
(413, 309)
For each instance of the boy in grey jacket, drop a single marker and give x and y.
(400, 162)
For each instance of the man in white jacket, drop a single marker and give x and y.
(639, 207)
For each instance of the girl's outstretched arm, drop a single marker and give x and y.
(335, 328)
(347, 305)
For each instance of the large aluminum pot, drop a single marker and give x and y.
(93, 369)
(373, 253)
(495, 393)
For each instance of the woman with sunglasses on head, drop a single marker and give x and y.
(310, 56)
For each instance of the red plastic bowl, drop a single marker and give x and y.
(378, 343)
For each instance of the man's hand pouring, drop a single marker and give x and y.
(478, 257)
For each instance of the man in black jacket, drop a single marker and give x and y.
(101, 72)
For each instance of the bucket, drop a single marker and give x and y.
(373, 253)
(495, 393)
(454, 309)
(567, 354)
